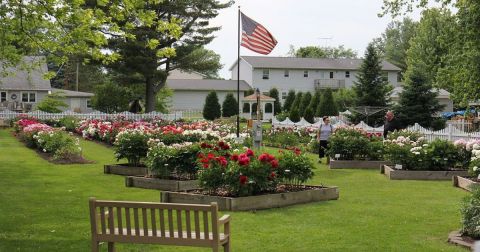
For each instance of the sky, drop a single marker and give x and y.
(352, 23)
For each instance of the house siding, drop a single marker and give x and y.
(246, 72)
(195, 99)
(77, 104)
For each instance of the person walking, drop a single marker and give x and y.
(324, 133)
(391, 124)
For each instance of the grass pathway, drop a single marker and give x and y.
(44, 207)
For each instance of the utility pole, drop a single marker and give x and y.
(76, 81)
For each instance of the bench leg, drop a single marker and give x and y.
(111, 247)
(215, 248)
(226, 246)
(95, 246)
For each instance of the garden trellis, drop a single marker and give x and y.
(451, 132)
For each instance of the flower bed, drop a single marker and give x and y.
(124, 169)
(302, 195)
(172, 185)
(466, 183)
(356, 164)
(398, 174)
(55, 145)
(470, 231)
(471, 152)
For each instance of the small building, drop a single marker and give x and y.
(443, 98)
(24, 87)
(249, 107)
(190, 94)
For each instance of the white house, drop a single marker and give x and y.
(190, 94)
(443, 98)
(24, 87)
(304, 74)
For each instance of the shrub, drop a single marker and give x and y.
(52, 103)
(475, 159)
(471, 214)
(350, 143)
(294, 114)
(443, 155)
(411, 135)
(177, 160)
(294, 168)
(131, 144)
(69, 122)
(276, 104)
(59, 143)
(229, 106)
(211, 109)
(309, 115)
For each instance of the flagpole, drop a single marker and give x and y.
(238, 74)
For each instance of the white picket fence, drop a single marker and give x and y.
(6, 114)
(451, 132)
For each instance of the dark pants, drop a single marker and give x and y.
(323, 148)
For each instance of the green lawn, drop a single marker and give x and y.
(44, 207)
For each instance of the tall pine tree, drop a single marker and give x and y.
(306, 98)
(289, 101)
(418, 102)
(370, 88)
(296, 102)
(211, 109)
(327, 105)
(277, 107)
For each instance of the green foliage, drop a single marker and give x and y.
(370, 88)
(418, 102)
(306, 98)
(164, 99)
(327, 105)
(355, 144)
(395, 41)
(296, 103)
(294, 114)
(315, 101)
(69, 122)
(177, 161)
(277, 106)
(471, 214)
(289, 100)
(110, 98)
(131, 144)
(60, 144)
(52, 102)
(229, 106)
(211, 109)
(309, 115)
(344, 98)
(322, 52)
(295, 168)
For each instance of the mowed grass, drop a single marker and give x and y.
(44, 207)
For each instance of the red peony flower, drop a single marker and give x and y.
(250, 153)
(216, 148)
(274, 163)
(273, 175)
(203, 145)
(221, 143)
(264, 158)
(210, 155)
(205, 165)
(243, 179)
(222, 160)
(234, 157)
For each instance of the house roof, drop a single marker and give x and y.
(71, 93)
(309, 63)
(207, 84)
(442, 93)
(253, 97)
(28, 75)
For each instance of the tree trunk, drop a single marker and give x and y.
(150, 98)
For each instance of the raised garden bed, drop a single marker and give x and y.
(265, 201)
(356, 164)
(456, 238)
(161, 184)
(125, 169)
(396, 174)
(465, 183)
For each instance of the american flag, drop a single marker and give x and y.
(255, 37)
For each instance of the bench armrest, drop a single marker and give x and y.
(225, 219)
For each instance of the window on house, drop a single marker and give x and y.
(284, 95)
(347, 74)
(29, 97)
(384, 76)
(3, 96)
(305, 73)
(399, 77)
(286, 73)
(331, 75)
(89, 103)
(266, 74)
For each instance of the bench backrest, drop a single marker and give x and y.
(146, 222)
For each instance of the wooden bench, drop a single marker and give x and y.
(158, 223)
